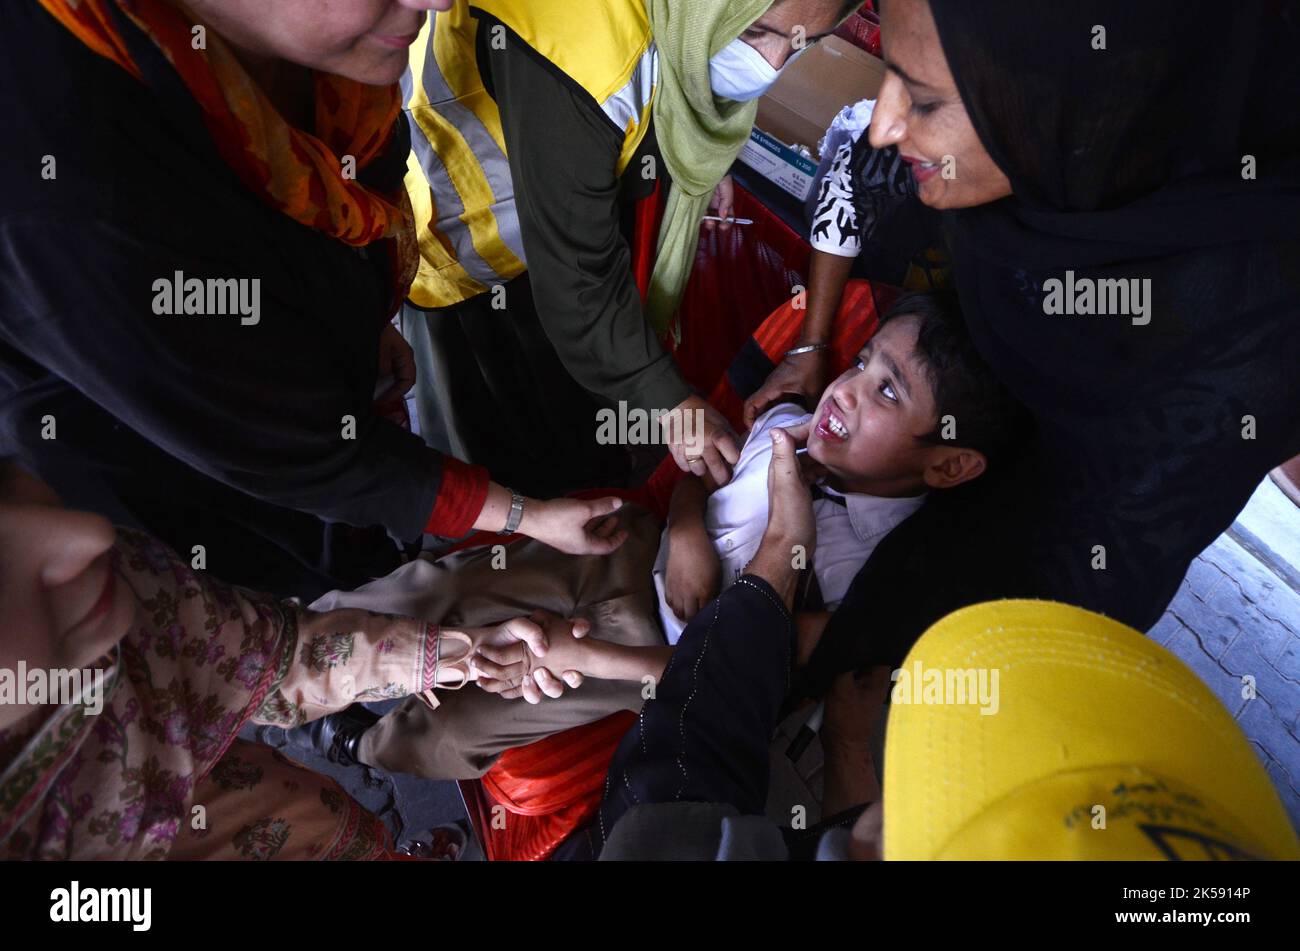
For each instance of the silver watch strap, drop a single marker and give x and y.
(516, 514)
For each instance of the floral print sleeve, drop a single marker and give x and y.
(200, 658)
(333, 658)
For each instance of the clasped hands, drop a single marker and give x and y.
(530, 657)
(542, 654)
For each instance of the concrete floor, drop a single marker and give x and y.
(1236, 615)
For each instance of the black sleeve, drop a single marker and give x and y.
(704, 735)
(563, 160)
(881, 181)
(259, 407)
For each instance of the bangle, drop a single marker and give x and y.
(516, 514)
(807, 348)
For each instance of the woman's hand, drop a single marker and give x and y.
(791, 534)
(396, 362)
(803, 376)
(701, 440)
(575, 526)
(807, 374)
(694, 572)
(723, 205)
(790, 518)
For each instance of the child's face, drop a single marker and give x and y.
(866, 428)
(62, 604)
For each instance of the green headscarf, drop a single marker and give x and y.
(699, 135)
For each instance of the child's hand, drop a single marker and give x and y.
(694, 573)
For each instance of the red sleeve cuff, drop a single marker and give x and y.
(460, 499)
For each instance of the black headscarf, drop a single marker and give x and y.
(1125, 162)
(1100, 141)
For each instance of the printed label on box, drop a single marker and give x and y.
(779, 163)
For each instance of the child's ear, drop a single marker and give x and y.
(951, 467)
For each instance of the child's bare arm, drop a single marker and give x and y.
(694, 572)
(808, 631)
(502, 669)
(607, 661)
(853, 707)
(686, 509)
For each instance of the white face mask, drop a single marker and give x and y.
(740, 72)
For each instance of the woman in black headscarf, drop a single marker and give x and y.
(1156, 144)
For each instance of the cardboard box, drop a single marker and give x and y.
(799, 107)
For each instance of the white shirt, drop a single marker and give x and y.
(736, 516)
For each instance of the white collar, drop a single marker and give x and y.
(872, 515)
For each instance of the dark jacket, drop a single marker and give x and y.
(205, 430)
(575, 211)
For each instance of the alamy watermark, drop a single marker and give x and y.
(947, 685)
(1086, 296)
(212, 297)
(38, 686)
(78, 904)
(640, 427)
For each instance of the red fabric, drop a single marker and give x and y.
(649, 214)
(550, 787)
(460, 499)
(737, 279)
(862, 30)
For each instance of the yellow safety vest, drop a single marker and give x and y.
(458, 175)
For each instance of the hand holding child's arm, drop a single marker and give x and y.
(511, 669)
(791, 525)
(512, 672)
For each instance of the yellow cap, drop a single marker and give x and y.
(1035, 730)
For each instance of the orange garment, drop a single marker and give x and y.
(550, 788)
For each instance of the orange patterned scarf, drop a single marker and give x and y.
(297, 172)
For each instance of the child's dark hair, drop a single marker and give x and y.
(987, 417)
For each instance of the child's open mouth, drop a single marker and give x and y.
(831, 426)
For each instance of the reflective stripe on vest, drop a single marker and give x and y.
(629, 107)
(458, 175)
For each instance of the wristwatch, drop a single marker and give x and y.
(516, 514)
